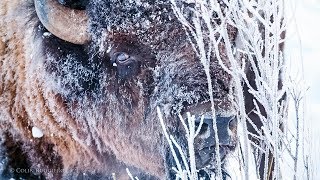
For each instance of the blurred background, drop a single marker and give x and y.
(303, 53)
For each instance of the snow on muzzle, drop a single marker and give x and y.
(205, 141)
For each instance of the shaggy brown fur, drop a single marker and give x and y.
(24, 104)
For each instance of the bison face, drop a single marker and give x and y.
(104, 66)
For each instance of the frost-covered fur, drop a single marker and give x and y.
(94, 122)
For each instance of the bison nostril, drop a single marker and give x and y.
(233, 124)
(203, 129)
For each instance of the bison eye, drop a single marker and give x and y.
(127, 66)
(121, 57)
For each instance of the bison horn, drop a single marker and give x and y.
(65, 23)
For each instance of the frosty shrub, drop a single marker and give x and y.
(255, 61)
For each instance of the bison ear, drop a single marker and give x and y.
(68, 24)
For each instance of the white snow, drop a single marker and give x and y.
(36, 132)
(46, 34)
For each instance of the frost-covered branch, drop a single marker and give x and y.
(257, 50)
(188, 170)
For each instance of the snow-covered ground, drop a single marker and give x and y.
(303, 46)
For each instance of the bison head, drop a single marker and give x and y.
(96, 71)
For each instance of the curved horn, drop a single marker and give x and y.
(67, 24)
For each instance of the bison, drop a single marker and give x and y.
(90, 75)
